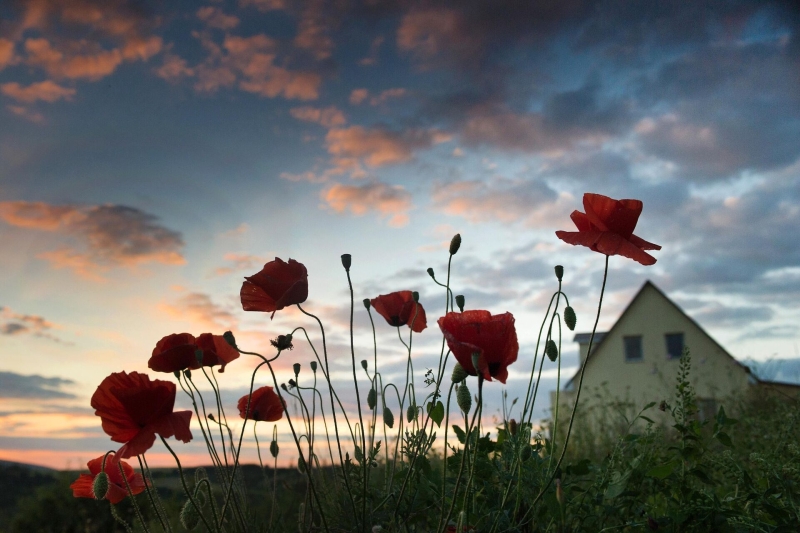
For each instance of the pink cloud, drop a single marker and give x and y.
(430, 32)
(47, 91)
(378, 147)
(80, 59)
(358, 95)
(329, 117)
(391, 201)
(7, 55)
(214, 17)
(312, 32)
(199, 309)
(174, 68)
(104, 236)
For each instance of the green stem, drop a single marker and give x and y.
(186, 487)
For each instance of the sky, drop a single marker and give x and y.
(153, 154)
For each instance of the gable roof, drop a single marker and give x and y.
(627, 310)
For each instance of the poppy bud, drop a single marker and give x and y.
(177, 374)
(200, 474)
(367, 303)
(559, 272)
(372, 398)
(364, 364)
(460, 302)
(459, 374)
(198, 354)
(415, 295)
(296, 368)
(292, 383)
(190, 516)
(273, 448)
(100, 486)
(229, 338)
(464, 398)
(411, 413)
(526, 453)
(455, 244)
(210, 416)
(551, 350)
(283, 386)
(313, 366)
(346, 260)
(187, 373)
(569, 318)
(512, 426)
(430, 272)
(301, 463)
(388, 417)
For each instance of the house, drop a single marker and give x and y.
(637, 360)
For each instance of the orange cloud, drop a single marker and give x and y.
(358, 95)
(240, 262)
(312, 32)
(214, 17)
(105, 235)
(391, 201)
(199, 309)
(80, 59)
(7, 56)
(329, 117)
(174, 68)
(427, 33)
(47, 91)
(378, 147)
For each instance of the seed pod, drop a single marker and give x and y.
(388, 417)
(559, 272)
(464, 397)
(415, 295)
(569, 318)
(512, 426)
(430, 271)
(460, 302)
(296, 368)
(346, 261)
(313, 366)
(459, 374)
(100, 486)
(364, 364)
(372, 398)
(411, 413)
(551, 350)
(273, 448)
(229, 338)
(455, 244)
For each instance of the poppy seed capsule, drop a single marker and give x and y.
(292, 383)
(415, 295)
(372, 398)
(430, 272)
(551, 350)
(459, 374)
(313, 366)
(100, 486)
(464, 398)
(460, 302)
(366, 303)
(455, 244)
(559, 272)
(273, 448)
(364, 364)
(388, 417)
(569, 318)
(229, 338)
(296, 368)
(346, 260)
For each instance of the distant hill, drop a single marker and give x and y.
(35, 468)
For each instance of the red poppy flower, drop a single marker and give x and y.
(399, 308)
(174, 353)
(134, 409)
(607, 227)
(278, 285)
(216, 350)
(117, 490)
(265, 406)
(492, 336)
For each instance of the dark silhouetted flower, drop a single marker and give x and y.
(117, 491)
(493, 337)
(398, 308)
(134, 409)
(607, 227)
(216, 350)
(282, 342)
(279, 284)
(174, 353)
(265, 406)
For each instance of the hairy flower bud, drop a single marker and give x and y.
(301, 464)
(187, 373)
(296, 368)
(372, 398)
(100, 486)
(464, 397)
(559, 272)
(455, 244)
(411, 413)
(460, 302)
(459, 374)
(273, 448)
(346, 261)
(388, 417)
(190, 516)
(551, 350)
(569, 318)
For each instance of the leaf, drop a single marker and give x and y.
(462, 437)
(501, 435)
(661, 471)
(437, 413)
(724, 439)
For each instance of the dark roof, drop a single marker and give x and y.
(625, 312)
(583, 338)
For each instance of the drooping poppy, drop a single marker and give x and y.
(265, 405)
(277, 285)
(216, 350)
(493, 337)
(399, 308)
(134, 409)
(83, 487)
(607, 227)
(174, 353)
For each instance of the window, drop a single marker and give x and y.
(674, 345)
(633, 347)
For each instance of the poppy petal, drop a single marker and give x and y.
(82, 487)
(643, 244)
(255, 299)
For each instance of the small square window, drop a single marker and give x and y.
(674, 345)
(633, 347)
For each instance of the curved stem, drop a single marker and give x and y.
(186, 487)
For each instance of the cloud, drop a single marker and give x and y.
(199, 309)
(174, 68)
(530, 202)
(329, 117)
(22, 324)
(240, 262)
(358, 96)
(26, 113)
(378, 146)
(374, 51)
(312, 31)
(215, 18)
(7, 55)
(33, 387)
(46, 91)
(264, 5)
(107, 235)
(391, 201)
